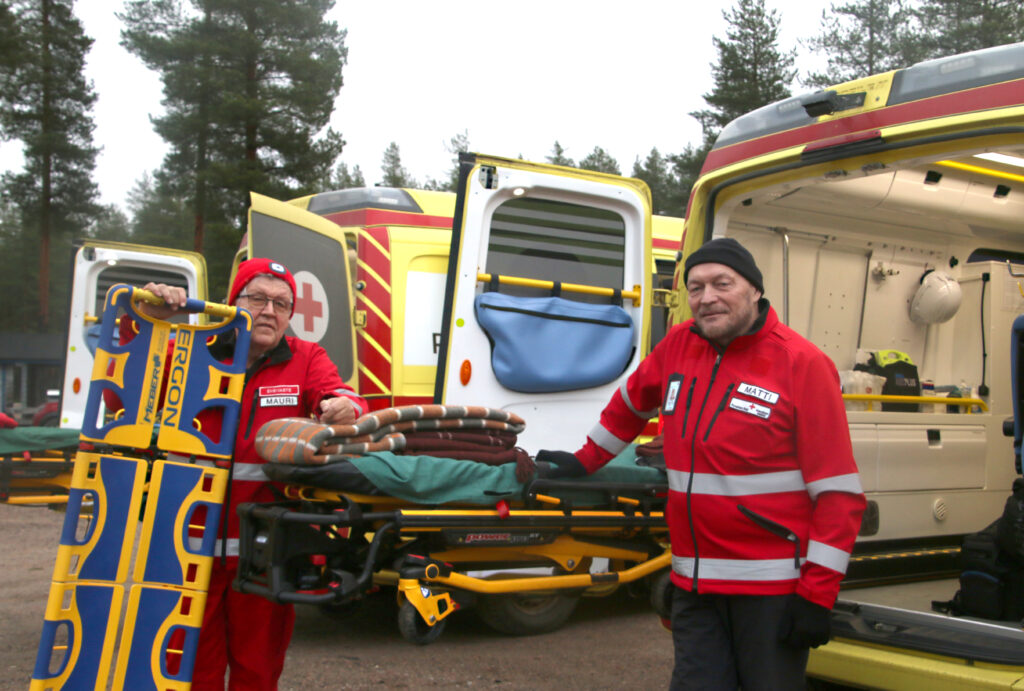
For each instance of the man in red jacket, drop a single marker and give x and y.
(285, 377)
(764, 499)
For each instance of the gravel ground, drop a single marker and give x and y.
(609, 643)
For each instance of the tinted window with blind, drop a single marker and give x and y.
(557, 241)
(137, 276)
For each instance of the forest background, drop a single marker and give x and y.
(249, 90)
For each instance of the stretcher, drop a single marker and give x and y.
(36, 464)
(98, 628)
(449, 534)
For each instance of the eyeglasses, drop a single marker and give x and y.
(258, 302)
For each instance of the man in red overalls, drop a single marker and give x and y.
(285, 377)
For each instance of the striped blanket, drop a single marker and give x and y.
(469, 432)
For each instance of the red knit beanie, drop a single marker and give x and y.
(251, 268)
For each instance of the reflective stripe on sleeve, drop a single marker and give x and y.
(849, 483)
(737, 485)
(827, 556)
(243, 472)
(643, 415)
(195, 544)
(248, 472)
(738, 569)
(607, 441)
(351, 397)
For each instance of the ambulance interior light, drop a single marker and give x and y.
(1005, 159)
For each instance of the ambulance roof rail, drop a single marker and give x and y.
(925, 79)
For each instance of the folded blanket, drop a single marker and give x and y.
(306, 441)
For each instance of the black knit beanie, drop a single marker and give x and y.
(729, 252)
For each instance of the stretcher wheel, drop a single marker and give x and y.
(525, 614)
(661, 594)
(414, 629)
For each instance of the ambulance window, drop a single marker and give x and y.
(659, 315)
(557, 241)
(137, 276)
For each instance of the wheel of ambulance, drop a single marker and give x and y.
(414, 629)
(524, 614)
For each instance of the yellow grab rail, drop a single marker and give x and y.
(633, 295)
(924, 400)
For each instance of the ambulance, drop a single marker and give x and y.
(370, 266)
(887, 216)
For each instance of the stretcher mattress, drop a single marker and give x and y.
(18, 439)
(434, 480)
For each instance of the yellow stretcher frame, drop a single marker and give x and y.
(429, 584)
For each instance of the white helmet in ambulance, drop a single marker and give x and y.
(937, 298)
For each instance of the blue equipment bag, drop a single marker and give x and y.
(548, 344)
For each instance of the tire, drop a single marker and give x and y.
(51, 419)
(414, 629)
(526, 614)
(661, 594)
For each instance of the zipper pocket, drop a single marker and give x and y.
(775, 529)
(721, 407)
(252, 412)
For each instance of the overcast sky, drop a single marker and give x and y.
(515, 77)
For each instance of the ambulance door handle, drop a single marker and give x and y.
(359, 318)
(665, 298)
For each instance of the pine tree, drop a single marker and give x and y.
(248, 88)
(601, 161)
(111, 224)
(342, 178)
(48, 108)
(751, 70)
(656, 171)
(951, 27)
(395, 174)
(158, 215)
(558, 156)
(861, 38)
(10, 48)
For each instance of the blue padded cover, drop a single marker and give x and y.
(548, 344)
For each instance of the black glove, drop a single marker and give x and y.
(563, 463)
(804, 624)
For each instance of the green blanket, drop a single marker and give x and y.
(431, 480)
(18, 439)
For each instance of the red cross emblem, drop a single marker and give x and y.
(307, 306)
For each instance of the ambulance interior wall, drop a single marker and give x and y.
(844, 298)
(850, 293)
(852, 289)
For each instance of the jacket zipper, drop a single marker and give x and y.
(776, 529)
(686, 410)
(689, 482)
(721, 406)
(231, 471)
(252, 412)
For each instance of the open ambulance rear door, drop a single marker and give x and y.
(547, 296)
(314, 250)
(97, 266)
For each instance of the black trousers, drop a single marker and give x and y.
(731, 642)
